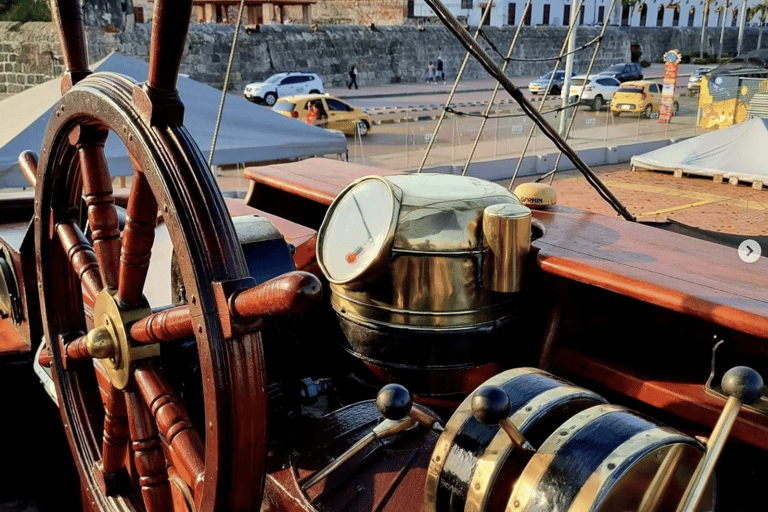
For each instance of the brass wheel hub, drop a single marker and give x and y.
(108, 340)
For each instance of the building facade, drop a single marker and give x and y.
(634, 13)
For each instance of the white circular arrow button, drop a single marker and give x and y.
(749, 251)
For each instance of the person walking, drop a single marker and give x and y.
(430, 73)
(352, 77)
(440, 75)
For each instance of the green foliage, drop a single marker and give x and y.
(24, 10)
(710, 59)
(645, 63)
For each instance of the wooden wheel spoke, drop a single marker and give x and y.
(289, 294)
(68, 18)
(138, 236)
(169, 325)
(116, 436)
(174, 422)
(82, 257)
(148, 455)
(97, 190)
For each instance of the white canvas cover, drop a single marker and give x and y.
(249, 133)
(737, 151)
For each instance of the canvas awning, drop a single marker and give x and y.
(249, 133)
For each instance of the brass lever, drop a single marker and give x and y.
(490, 405)
(743, 386)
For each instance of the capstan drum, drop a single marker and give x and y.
(425, 272)
(474, 465)
(574, 453)
(606, 459)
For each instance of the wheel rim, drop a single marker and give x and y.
(648, 111)
(170, 174)
(362, 128)
(270, 99)
(598, 103)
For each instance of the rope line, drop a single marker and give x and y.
(595, 40)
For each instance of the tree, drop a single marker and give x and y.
(24, 10)
(760, 10)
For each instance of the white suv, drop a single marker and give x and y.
(595, 90)
(283, 84)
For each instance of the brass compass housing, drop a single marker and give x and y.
(404, 255)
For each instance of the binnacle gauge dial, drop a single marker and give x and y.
(357, 233)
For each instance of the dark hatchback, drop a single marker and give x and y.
(625, 72)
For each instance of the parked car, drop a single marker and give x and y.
(625, 71)
(283, 84)
(540, 84)
(694, 82)
(639, 97)
(595, 90)
(341, 115)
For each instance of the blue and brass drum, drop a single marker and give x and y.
(607, 459)
(474, 465)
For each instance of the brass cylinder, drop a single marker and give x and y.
(506, 240)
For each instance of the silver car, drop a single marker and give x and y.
(283, 84)
(694, 82)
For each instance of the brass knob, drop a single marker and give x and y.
(100, 343)
(395, 403)
(490, 405)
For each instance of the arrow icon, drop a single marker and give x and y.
(749, 251)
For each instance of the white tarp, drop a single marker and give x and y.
(736, 151)
(249, 133)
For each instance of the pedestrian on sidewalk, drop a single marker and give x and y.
(430, 73)
(352, 77)
(440, 74)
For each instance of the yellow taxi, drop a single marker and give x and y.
(341, 115)
(639, 97)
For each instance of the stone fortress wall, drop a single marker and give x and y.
(30, 52)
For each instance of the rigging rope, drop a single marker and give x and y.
(573, 118)
(484, 59)
(226, 84)
(455, 86)
(586, 45)
(495, 91)
(571, 27)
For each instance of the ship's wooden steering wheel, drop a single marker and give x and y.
(131, 432)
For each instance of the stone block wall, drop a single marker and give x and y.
(30, 53)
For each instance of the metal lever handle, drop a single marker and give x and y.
(744, 386)
(395, 402)
(384, 429)
(490, 405)
(396, 406)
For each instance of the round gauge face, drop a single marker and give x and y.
(357, 231)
